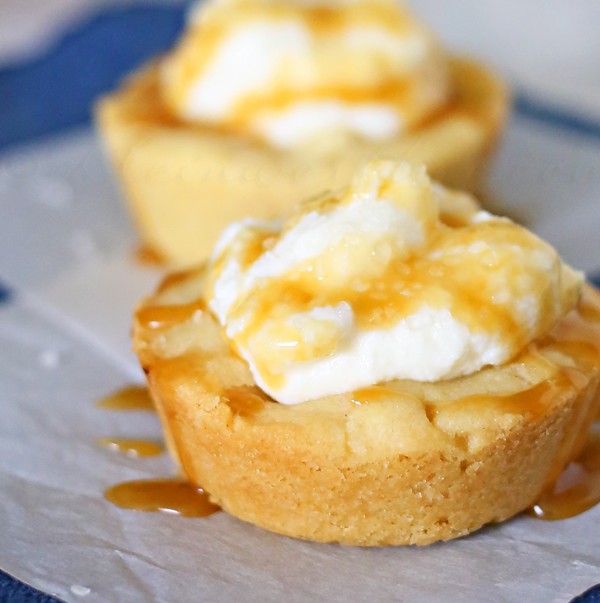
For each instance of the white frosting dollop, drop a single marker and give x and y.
(286, 72)
(395, 278)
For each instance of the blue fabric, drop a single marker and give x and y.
(589, 596)
(5, 293)
(57, 91)
(13, 591)
(532, 109)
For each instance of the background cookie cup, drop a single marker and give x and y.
(185, 183)
(401, 463)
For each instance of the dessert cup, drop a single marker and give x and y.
(403, 462)
(184, 182)
(390, 365)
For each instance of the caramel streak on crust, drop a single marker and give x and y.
(375, 467)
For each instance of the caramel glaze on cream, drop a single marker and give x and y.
(444, 275)
(198, 48)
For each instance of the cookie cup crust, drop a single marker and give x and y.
(415, 464)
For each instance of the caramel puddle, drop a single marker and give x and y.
(177, 497)
(133, 397)
(166, 495)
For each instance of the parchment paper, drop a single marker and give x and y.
(65, 247)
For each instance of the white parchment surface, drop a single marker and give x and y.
(65, 248)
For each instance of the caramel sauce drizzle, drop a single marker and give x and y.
(180, 276)
(129, 398)
(173, 496)
(402, 94)
(578, 487)
(533, 401)
(148, 256)
(371, 395)
(132, 447)
(178, 497)
(463, 283)
(164, 317)
(574, 483)
(244, 401)
(202, 42)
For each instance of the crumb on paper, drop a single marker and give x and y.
(80, 591)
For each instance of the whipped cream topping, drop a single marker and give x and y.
(394, 278)
(287, 71)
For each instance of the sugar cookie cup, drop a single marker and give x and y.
(401, 463)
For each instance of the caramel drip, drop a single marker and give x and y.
(455, 219)
(579, 333)
(250, 245)
(576, 490)
(134, 397)
(245, 401)
(589, 311)
(397, 93)
(148, 256)
(132, 447)
(164, 317)
(370, 395)
(574, 480)
(172, 496)
(260, 243)
(187, 370)
(326, 19)
(175, 278)
(534, 401)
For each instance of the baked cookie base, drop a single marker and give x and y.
(184, 184)
(403, 463)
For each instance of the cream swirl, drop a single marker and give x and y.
(394, 278)
(286, 71)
